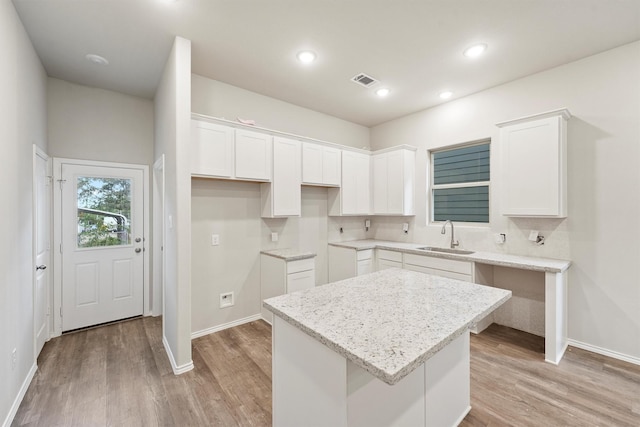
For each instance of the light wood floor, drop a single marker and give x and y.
(119, 375)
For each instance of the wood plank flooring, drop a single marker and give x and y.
(119, 375)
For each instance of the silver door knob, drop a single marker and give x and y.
(41, 267)
(138, 250)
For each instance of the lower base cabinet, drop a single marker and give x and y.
(345, 263)
(279, 276)
(388, 259)
(453, 269)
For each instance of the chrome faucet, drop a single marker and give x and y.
(454, 242)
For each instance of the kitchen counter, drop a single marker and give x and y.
(493, 258)
(344, 261)
(288, 254)
(388, 348)
(358, 317)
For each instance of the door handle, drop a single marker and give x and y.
(138, 250)
(41, 267)
(138, 240)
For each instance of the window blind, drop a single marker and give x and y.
(466, 164)
(451, 168)
(466, 204)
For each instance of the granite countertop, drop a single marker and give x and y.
(494, 258)
(288, 254)
(391, 321)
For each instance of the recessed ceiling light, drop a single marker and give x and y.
(446, 94)
(97, 59)
(475, 50)
(306, 56)
(382, 92)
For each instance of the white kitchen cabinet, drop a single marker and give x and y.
(393, 181)
(345, 263)
(534, 165)
(252, 155)
(354, 195)
(388, 259)
(364, 262)
(220, 151)
(281, 197)
(454, 269)
(279, 276)
(321, 165)
(211, 149)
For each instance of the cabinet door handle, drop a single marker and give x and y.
(41, 267)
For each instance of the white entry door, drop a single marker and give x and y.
(41, 247)
(102, 244)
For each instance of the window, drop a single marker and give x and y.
(460, 183)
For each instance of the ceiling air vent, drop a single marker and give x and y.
(364, 80)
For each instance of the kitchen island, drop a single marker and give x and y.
(388, 348)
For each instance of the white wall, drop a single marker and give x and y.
(22, 123)
(601, 235)
(217, 99)
(97, 124)
(232, 210)
(172, 120)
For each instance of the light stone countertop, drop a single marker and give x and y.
(494, 258)
(391, 321)
(288, 254)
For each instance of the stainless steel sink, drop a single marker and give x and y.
(446, 250)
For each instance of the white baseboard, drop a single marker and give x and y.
(214, 329)
(605, 352)
(177, 370)
(18, 400)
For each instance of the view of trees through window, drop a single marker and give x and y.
(104, 211)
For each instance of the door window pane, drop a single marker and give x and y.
(104, 211)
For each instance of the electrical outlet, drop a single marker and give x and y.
(14, 358)
(274, 237)
(215, 239)
(226, 300)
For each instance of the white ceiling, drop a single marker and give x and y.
(414, 47)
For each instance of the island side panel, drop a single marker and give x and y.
(372, 402)
(447, 383)
(309, 380)
(555, 316)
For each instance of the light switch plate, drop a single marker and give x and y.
(533, 235)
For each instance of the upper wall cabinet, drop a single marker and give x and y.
(393, 179)
(220, 151)
(534, 165)
(253, 155)
(211, 149)
(354, 195)
(282, 196)
(320, 165)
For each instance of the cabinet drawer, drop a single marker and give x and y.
(364, 254)
(301, 280)
(365, 266)
(455, 266)
(383, 264)
(442, 273)
(389, 255)
(300, 265)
